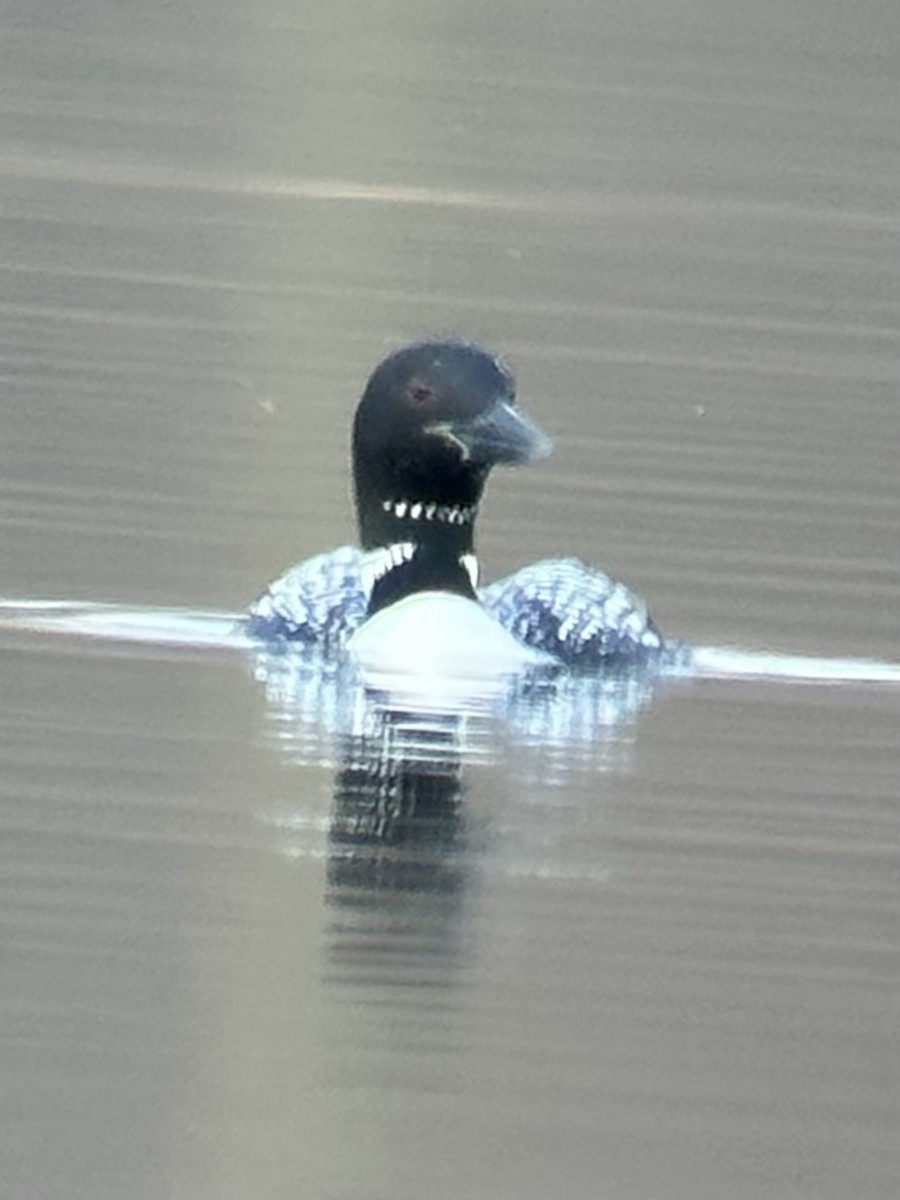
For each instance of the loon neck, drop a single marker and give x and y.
(417, 546)
(391, 573)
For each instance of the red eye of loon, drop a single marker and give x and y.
(420, 393)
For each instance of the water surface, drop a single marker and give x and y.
(650, 956)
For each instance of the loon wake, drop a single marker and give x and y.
(221, 630)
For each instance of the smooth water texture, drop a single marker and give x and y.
(631, 938)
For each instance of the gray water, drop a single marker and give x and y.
(653, 957)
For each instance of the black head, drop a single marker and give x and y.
(433, 420)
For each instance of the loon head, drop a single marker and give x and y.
(433, 420)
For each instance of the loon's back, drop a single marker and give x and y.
(578, 615)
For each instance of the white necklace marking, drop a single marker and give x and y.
(418, 510)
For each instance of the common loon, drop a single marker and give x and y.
(434, 418)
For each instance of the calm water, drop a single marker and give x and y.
(650, 954)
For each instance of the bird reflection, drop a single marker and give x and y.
(320, 712)
(398, 842)
(403, 839)
(398, 858)
(397, 822)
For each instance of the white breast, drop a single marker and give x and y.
(441, 640)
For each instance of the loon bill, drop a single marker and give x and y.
(434, 418)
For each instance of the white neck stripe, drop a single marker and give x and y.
(377, 563)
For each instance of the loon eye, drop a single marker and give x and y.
(421, 394)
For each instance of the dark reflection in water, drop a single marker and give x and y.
(397, 825)
(398, 868)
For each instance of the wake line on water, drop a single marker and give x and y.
(223, 630)
(214, 630)
(726, 662)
